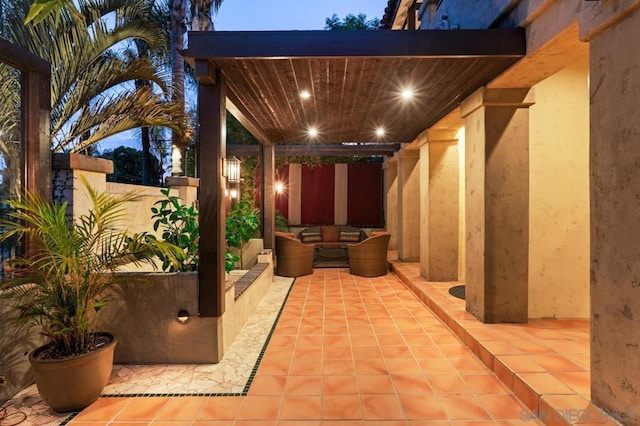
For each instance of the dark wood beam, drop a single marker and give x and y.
(205, 72)
(22, 59)
(330, 150)
(268, 199)
(35, 125)
(35, 116)
(508, 42)
(246, 119)
(210, 151)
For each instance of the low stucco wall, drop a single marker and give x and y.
(15, 345)
(143, 313)
(238, 310)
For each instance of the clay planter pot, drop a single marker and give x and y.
(74, 383)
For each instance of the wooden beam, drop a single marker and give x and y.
(268, 198)
(500, 42)
(205, 72)
(330, 150)
(246, 119)
(22, 59)
(210, 151)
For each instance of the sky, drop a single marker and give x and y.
(262, 15)
(240, 15)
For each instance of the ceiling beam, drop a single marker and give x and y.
(245, 118)
(499, 42)
(326, 150)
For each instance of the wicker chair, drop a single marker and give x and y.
(369, 257)
(293, 258)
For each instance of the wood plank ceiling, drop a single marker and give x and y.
(355, 78)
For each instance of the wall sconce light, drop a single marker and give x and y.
(183, 316)
(279, 187)
(233, 170)
(233, 193)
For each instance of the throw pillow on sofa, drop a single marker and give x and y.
(350, 236)
(310, 235)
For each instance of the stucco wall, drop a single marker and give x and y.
(615, 215)
(391, 201)
(465, 14)
(559, 196)
(461, 202)
(15, 345)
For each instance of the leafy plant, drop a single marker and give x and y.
(229, 261)
(282, 224)
(180, 227)
(242, 223)
(58, 283)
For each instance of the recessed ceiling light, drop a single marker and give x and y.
(313, 132)
(407, 93)
(305, 94)
(379, 131)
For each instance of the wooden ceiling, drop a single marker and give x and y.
(354, 78)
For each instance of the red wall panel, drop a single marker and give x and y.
(364, 195)
(318, 192)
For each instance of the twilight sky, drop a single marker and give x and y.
(238, 15)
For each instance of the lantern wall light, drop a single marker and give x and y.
(233, 170)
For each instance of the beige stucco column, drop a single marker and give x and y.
(497, 203)
(439, 203)
(390, 168)
(408, 205)
(615, 214)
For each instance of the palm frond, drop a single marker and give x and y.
(88, 65)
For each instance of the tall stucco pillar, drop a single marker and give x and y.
(497, 203)
(615, 217)
(390, 168)
(408, 205)
(439, 203)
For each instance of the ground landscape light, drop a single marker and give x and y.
(183, 315)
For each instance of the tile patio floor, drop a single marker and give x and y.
(349, 350)
(346, 350)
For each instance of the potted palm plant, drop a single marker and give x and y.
(57, 285)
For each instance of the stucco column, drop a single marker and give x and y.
(439, 203)
(390, 168)
(497, 203)
(615, 214)
(69, 172)
(408, 205)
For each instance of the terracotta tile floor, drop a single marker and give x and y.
(545, 363)
(347, 350)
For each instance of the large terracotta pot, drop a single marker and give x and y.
(74, 383)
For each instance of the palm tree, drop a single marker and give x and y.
(200, 21)
(92, 82)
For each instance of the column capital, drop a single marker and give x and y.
(439, 135)
(483, 97)
(73, 161)
(408, 154)
(175, 181)
(390, 162)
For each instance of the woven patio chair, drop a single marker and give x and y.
(293, 258)
(369, 257)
